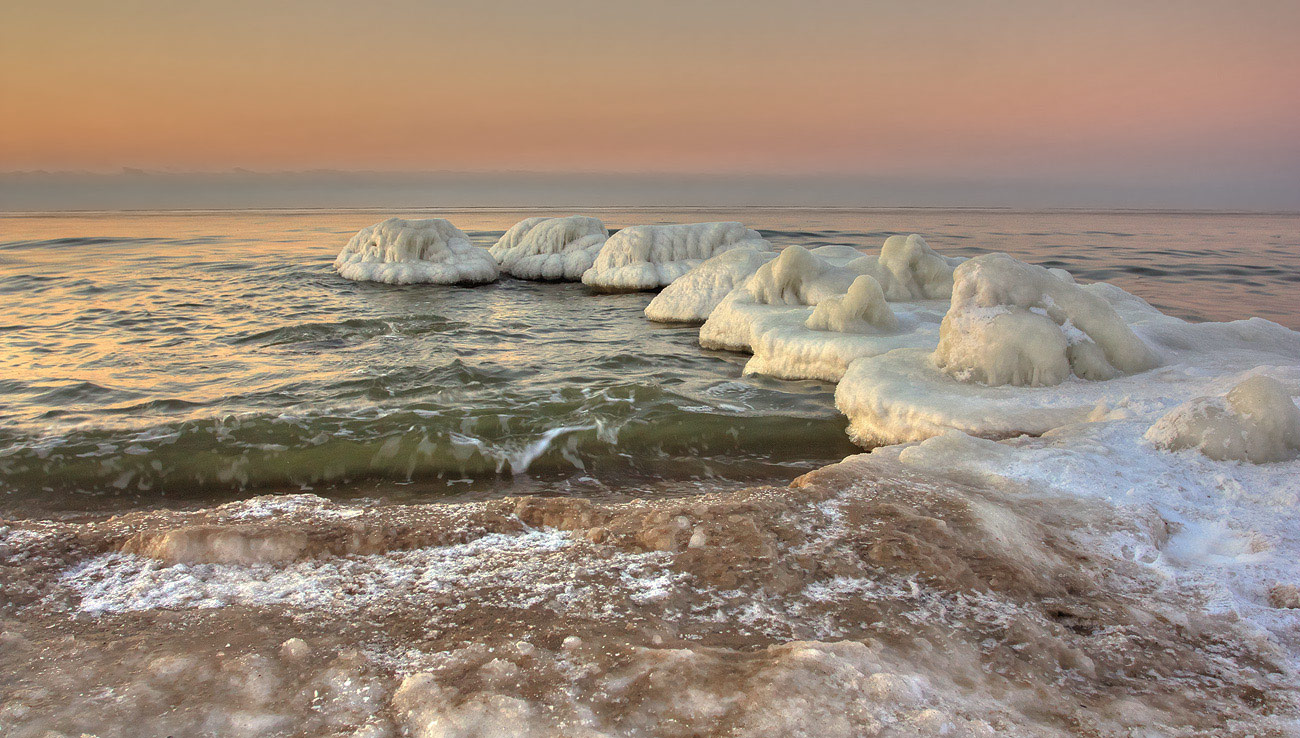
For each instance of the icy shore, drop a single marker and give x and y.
(1075, 516)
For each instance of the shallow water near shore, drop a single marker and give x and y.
(177, 358)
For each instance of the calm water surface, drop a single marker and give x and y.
(172, 358)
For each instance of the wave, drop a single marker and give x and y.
(612, 434)
(407, 325)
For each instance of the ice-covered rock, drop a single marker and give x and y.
(648, 257)
(691, 297)
(1017, 323)
(400, 251)
(798, 277)
(553, 249)
(861, 310)
(904, 396)
(1256, 422)
(806, 316)
(908, 269)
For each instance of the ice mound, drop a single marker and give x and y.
(1256, 422)
(691, 297)
(429, 251)
(551, 249)
(809, 314)
(647, 257)
(1017, 323)
(798, 277)
(1013, 369)
(861, 310)
(908, 269)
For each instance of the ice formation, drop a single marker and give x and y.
(1103, 332)
(647, 257)
(798, 277)
(552, 249)
(692, 296)
(1016, 323)
(908, 269)
(860, 310)
(1256, 422)
(809, 314)
(400, 251)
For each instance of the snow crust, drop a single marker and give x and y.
(431, 251)
(1256, 422)
(551, 249)
(648, 257)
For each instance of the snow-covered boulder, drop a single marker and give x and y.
(429, 251)
(553, 249)
(908, 269)
(860, 310)
(1017, 323)
(649, 257)
(692, 296)
(1256, 422)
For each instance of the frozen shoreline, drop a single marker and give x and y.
(866, 597)
(1125, 566)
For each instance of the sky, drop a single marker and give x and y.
(1142, 94)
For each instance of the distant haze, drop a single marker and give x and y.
(38, 191)
(1161, 103)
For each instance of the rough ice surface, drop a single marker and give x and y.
(798, 277)
(1256, 422)
(648, 257)
(429, 251)
(908, 269)
(692, 296)
(1231, 540)
(904, 396)
(860, 310)
(551, 249)
(778, 315)
(1016, 323)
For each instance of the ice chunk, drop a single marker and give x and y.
(648, 257)
(1016, 323)
(861, 310)
(908, 269)
(798, 277)
(695, 294)
(905, 396)
(555, 249)
(400, 251)
(802, 317)
(1256, 422)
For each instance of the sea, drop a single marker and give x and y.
(182, 358)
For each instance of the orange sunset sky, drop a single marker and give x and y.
(1135, 89)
